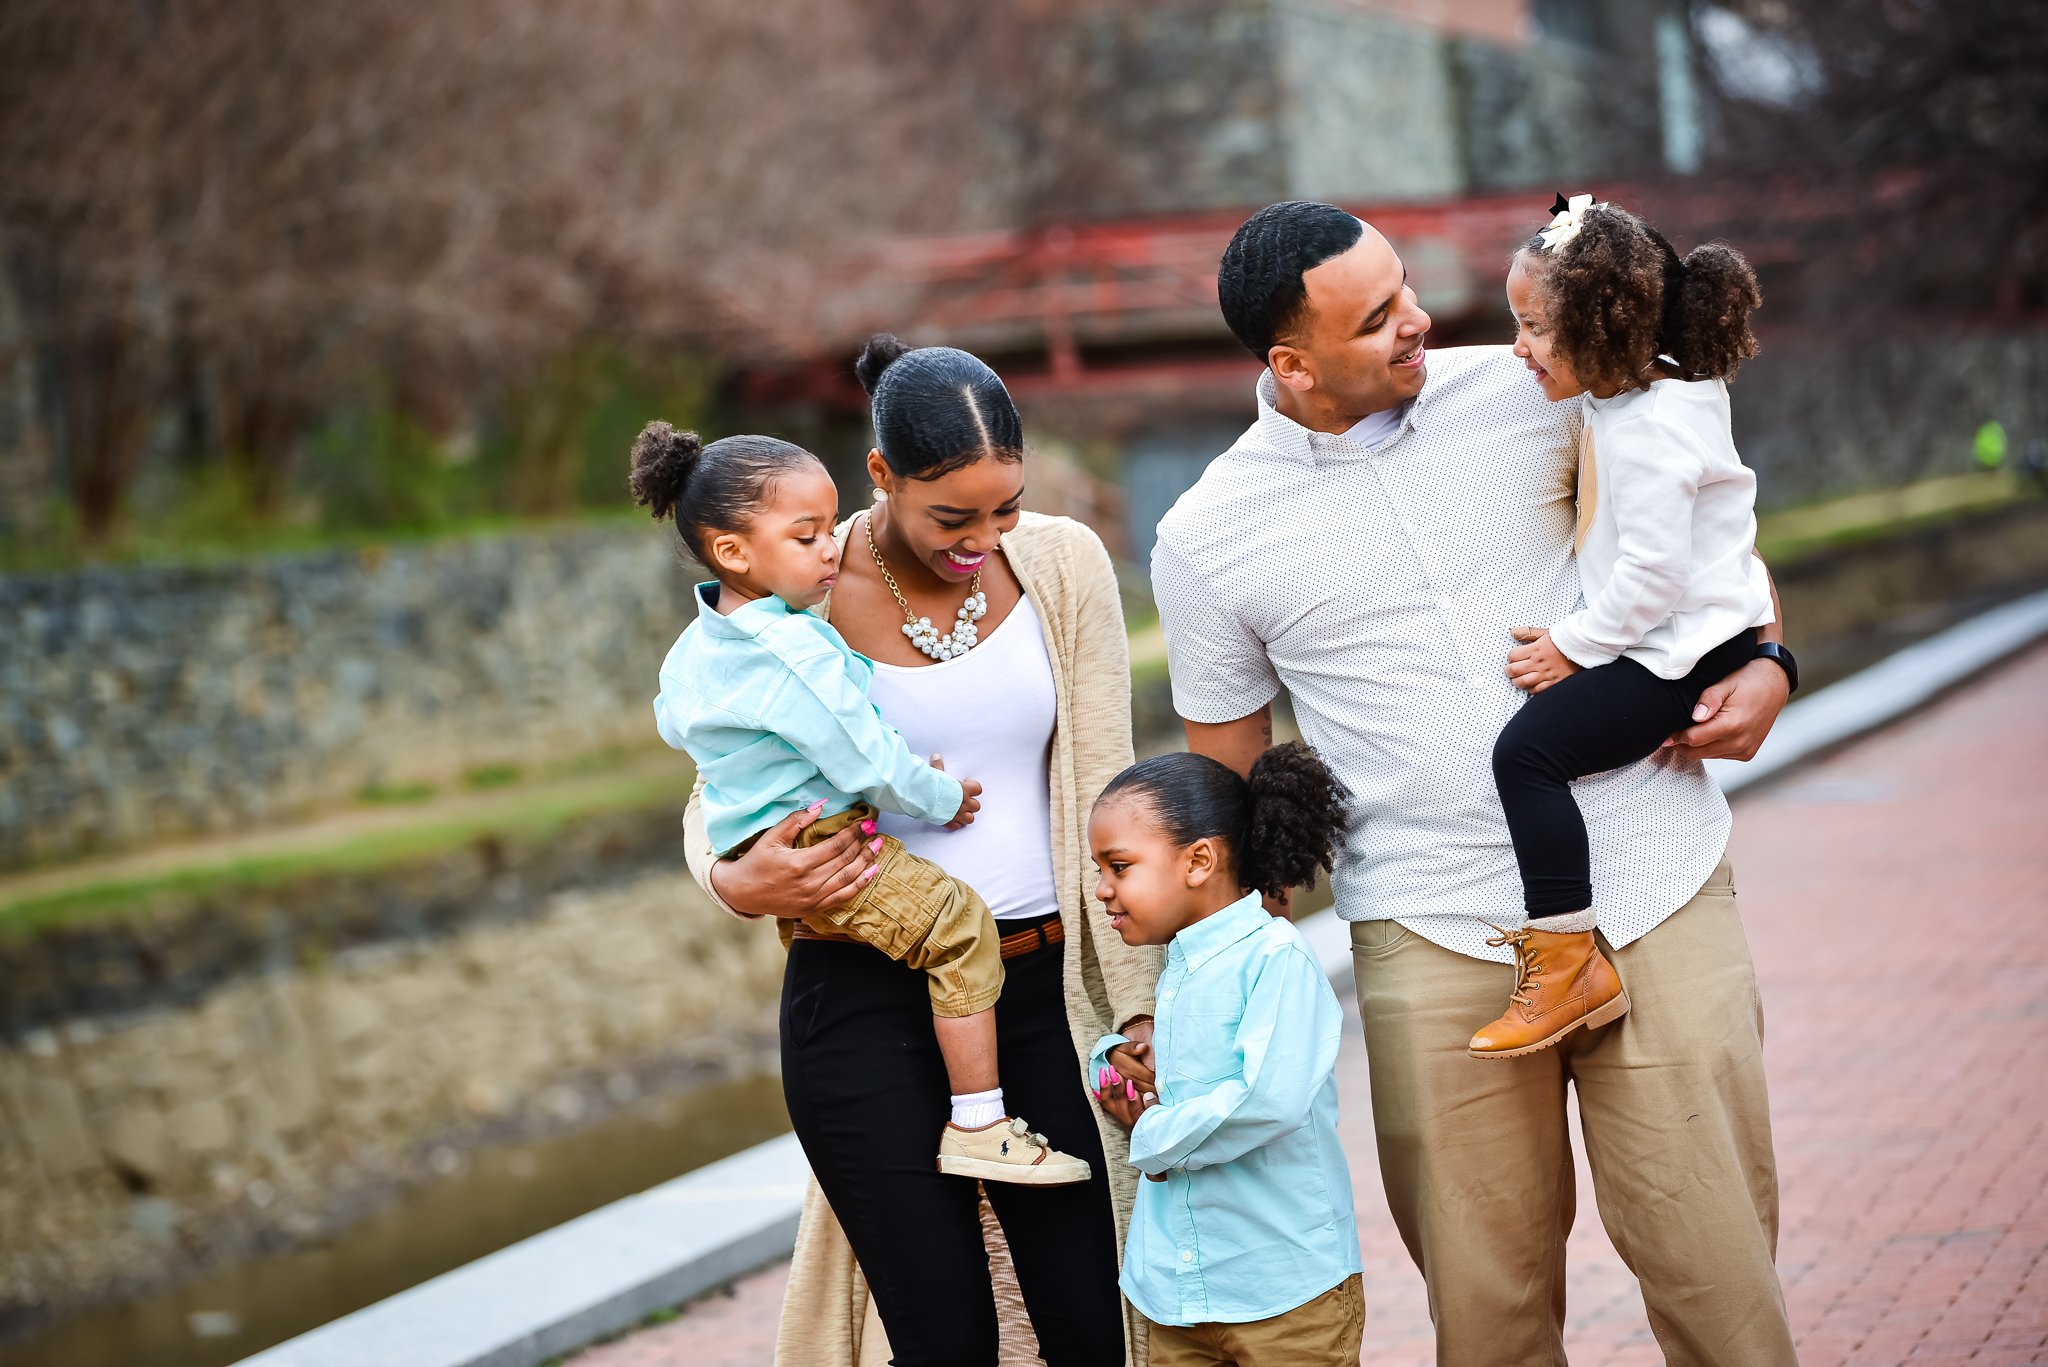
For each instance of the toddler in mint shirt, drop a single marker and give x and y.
(772, 704)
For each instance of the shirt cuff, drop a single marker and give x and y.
(1142, 1158)
(1576, 648)
(1098, 1057)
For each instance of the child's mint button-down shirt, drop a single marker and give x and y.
(773, 706)
(1255, 1217)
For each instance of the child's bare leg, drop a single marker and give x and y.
(968, 1044)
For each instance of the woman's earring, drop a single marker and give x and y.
(880, 496)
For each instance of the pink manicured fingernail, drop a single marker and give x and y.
(817, 806)
(1131, 1090)
(867, 828)
(876, 844)
(871, 873)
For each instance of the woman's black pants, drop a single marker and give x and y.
(867, 1095)
(1593, 721)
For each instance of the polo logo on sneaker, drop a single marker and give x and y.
(1006, 1148)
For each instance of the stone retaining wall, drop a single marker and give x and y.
(143, 704)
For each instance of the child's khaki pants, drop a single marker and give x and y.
(914, 911)
(1324, 1332)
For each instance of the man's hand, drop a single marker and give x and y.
(1537, 663)
(1735, 715)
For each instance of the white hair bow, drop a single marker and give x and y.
(1568, 217)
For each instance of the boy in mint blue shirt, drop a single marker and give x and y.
(1243, 1244)
(773, 706)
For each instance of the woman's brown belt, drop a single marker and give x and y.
(1044, 933)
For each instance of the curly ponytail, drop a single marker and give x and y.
(1619, 296)
(1706, 323)
(1282, 826)
(1297, 817)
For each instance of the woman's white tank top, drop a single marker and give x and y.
(991, 713)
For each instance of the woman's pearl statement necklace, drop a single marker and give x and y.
(920, 630)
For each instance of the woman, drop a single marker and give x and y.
(1037, 709)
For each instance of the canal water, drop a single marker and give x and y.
(497, 1197)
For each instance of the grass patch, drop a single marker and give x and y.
(394, 794)
(538, 816)
(487, 776)
(1792, 533)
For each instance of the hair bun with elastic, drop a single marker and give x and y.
(662, 461)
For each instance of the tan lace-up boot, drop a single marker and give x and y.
(1562, 983)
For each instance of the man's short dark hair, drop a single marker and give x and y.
(1259, 283)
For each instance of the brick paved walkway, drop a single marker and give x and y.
(1901, 879)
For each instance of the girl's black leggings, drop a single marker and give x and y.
(1596, 720)
(867, 1095)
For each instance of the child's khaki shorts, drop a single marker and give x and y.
(914, 911)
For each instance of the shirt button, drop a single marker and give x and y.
(1186, 1256)
(1167, 995)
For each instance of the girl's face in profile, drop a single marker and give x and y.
(786, 549)
(1535, 341)
(1144, 881)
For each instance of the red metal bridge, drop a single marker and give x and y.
(1129, 306)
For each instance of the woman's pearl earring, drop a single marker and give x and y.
(880, 496)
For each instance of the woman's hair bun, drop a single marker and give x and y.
(877, 356)
(662, 461)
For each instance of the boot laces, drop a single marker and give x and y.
(1528, 962)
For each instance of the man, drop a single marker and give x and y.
(1370, 543)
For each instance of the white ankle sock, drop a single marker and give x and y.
(1571, 923)
(976, 1109)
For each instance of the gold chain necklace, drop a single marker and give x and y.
(922, 634)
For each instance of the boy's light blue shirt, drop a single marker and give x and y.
(773, 706)
(1255, 1217)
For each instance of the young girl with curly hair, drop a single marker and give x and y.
(1605, 307)
(1243, 1244)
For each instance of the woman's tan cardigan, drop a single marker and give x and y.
(826, 1318)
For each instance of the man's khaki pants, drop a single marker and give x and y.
(1478, 1164)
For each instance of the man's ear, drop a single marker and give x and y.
(1291, 367)
(1204, 860)
(728, 554)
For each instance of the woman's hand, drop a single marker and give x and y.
(775, 878)
(1121, 1097)
(1537, 663)
(1133, 1059)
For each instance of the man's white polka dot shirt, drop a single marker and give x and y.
(1378, 585)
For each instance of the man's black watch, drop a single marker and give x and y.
(1781, 657)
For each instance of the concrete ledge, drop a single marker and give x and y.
(1889, 690)
(576, 1283)
(596, 1275)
